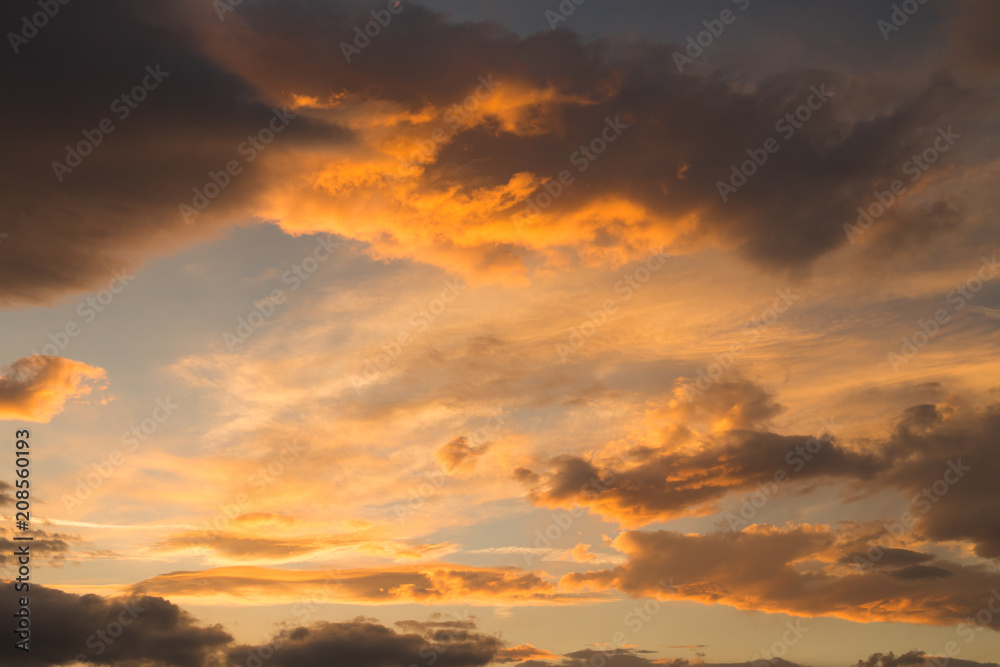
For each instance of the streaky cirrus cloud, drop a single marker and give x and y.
(243, 544)
(426, 583)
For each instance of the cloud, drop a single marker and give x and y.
(665, 484)
(725, 405)
(946, 459)
(247, 546)
(653, 186)
(36, 388)
(796, 570)
(942, 457)
(524, 652)
(917, 659)
(890, 660)
(632, 658)
(622, 657)
(118, 631)
(132, 630)
(974, 25)
(581, 553)
(139, 629)
(459, 455)
(52, 547)
(377, 152)
(363, 643)
(431, 583)
(120, 205)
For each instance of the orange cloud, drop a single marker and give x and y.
(523, 652)
(36, 388)
(581, 553)
(798, 570)
(660, 484)
(459, 166)
(459, 455)
(290, 539)
(437, 583)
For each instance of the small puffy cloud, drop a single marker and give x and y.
(581, 553)
(459, 455)
(734, 404)
(51, 547)
(524, 652)
(36, 388)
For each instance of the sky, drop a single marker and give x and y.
(528, 333)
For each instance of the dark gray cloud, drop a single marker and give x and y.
(893, 558)
(890, 660)
(147, 630)
(948, 460)
(916, 659)
(613, 658)
(121, 204)
(633, 658)
(364, 643)
(122, 632)
(685, 131)
(51, 547)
